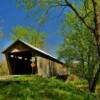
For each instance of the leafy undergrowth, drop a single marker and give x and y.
(38, 88)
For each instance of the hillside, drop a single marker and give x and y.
(38, 88)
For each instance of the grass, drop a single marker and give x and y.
(3, 68)
(38, 88)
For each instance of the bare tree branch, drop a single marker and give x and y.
(79, 16)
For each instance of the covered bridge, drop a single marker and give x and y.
(23, 58)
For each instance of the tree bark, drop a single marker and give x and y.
(92, 85)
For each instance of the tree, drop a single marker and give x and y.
(90, 7)
(30, 35)
(79, 45)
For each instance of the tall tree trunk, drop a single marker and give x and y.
(97, 37)
(92, 86)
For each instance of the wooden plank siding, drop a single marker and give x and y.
(46, 65)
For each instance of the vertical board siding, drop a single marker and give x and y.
(49, 68)
(43, 66)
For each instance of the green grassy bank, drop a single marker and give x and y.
(38, 88)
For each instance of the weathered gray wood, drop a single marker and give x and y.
(46, 65)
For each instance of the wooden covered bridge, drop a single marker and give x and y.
(23, 58)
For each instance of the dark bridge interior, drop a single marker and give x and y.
(21, 63)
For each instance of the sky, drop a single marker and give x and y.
(10, 16)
